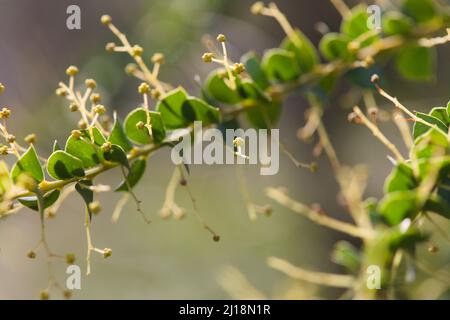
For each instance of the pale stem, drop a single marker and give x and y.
(321, 219)
(378, 134)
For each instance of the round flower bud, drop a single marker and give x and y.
(31, 254)
(72, 70)
(238, 142)
(375, 78)
(140, 125)
(5, 113)
(31, 138)
(26, 181)
(257, 8)
(143, 88)
(61, 92)
(313, 167)
(99, 109)
(106, 147)
(207, 57)
(130, 68)
(67, 294)
(11, 138)
(2, 88)
(82, 124)
(76, 134)
(90, 83)
(353, 118)
(95, 207)
(107, 253)
(110, 46)
(95, 98)
(216, 238)
(106, 19)
(238, 68)
(137, 51)
(44, 295)
(4, 150)
(158, 58)
(73, 107)
(70, 258)
(221, 38)
(155, 93)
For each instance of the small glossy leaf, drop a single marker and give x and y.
(264, 115)
(253, 67)
(396, 206)
(118, 135)
(134, 176)
(62, 165)
(334, 45)
(280, 65)
(304, 51)
(438, 205)
(202, 111)
(429, 144)
(416, 63)
(400, 179)
(48, 199)
(83, 149)
(355, 25)
(218, 89)
(396, 23)
(172, 109)
(117, 154)
(82, 187)
(142, 136)
(405, 240)
(420, 10)
(28, 163)
(420, 128)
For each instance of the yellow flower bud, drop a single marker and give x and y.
(5, 113)
(44, 295)
(72, 70)
(137, 51)
(90, 83)
(107, 253)
(155, 94)
(106, 19)
(95, 207)
(130, 68)
(73, 107)
(207, 57)
(110, 46)
(2, 88)
(221, 38)
(70, 258)
(76, 134)
(143, 88)
(31, 138)
(31, 254)
(158, 58)
(99, 109)
(82, 124)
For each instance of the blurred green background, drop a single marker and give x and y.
(177, 259)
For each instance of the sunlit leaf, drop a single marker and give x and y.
(28, 163)
(62, 165)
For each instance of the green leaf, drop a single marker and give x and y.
(400, 179)
(118, 135)
(62, 165)
(355, 25)
(420, 128)
(334, 45)
(396, 23)
(304, 51)
(179, 110)
(416, 63)
(83, 149)
(142, 136)
(420, 10)
(441, 114)
(346, 255)
(134, 176)
(448, 108)
(264, 115)
(396, 206)
(253, 67)
(202, 111)
(99, 138)
(28, 163)
(429, 144)
(218, 89)
(82, 187)
(173, 111)
(438, 205)
(280, 65)
(32, 201)
(118, 155)
(405, 240)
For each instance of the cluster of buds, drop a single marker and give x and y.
(5, 113)
(231, 69)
